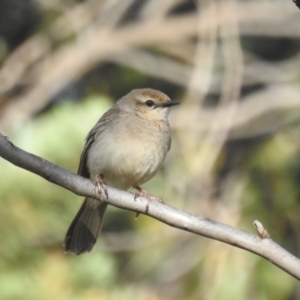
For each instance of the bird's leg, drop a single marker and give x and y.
(99, 185)
(145, 194)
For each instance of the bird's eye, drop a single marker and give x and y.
(149, 103)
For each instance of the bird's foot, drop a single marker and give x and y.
(143, 193)
(100, 187)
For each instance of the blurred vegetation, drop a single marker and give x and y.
(235, 154)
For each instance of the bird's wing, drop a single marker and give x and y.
(92, 136)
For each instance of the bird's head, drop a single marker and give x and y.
(148, 103)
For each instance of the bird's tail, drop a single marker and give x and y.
(86, 226)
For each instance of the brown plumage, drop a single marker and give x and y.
(126, 148)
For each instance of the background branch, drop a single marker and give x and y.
(235, 154)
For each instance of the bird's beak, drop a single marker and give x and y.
(170, 103)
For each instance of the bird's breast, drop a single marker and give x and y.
(129, 155)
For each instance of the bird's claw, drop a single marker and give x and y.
(143, 193)
(100, 186)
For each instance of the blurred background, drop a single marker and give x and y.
(235, 155)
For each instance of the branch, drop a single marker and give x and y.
(261, 244)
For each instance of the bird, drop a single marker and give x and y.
(125, 149)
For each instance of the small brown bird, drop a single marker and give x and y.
(125, 148)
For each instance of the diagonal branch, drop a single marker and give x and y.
(261, 245)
